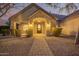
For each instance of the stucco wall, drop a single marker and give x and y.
(70, 27)
(22, 18)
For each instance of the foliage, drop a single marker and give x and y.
(69, 7)
(4, 7)
(7, 23)
(16, 32)
(4, 27)
(57, 31)
(4, 30)
(49, 33)
(54, 5)
(29, 33)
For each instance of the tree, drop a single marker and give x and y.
(54, 5)
(7, 23)
(4, 7)
(69, 7)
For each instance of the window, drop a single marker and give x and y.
(17, 26)
(39, 28)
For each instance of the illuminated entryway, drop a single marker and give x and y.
(23, 29)
(36, 27)
(33, 20)
(39, 26)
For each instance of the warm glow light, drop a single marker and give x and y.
(48, 25)
(25, 27)
(30, 25)
(39, 26)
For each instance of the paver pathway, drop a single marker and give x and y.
(40, 48)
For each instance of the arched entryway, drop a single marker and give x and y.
(40, 26)
(37, 27)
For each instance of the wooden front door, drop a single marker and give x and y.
(39, 28)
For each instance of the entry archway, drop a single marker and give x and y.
(40, 26)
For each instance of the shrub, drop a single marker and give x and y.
(49, 33)
(4, 32)
(17, 32)
(57, 31)
(4, 29)
(29, 33)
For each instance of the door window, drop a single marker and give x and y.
(39, 28)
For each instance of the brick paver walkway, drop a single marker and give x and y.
(40, 47)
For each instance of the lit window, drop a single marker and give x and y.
(39, 28)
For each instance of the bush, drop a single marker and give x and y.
(49, 33)
(29, 33)
(4, 27)
(17, 32)
(57, 31)
(4, 32)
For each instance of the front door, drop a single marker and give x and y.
(39, 28)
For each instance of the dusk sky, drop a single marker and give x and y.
(15, 10)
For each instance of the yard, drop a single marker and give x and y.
(56, 46)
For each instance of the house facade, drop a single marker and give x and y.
(32, 20)
(70, 24)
